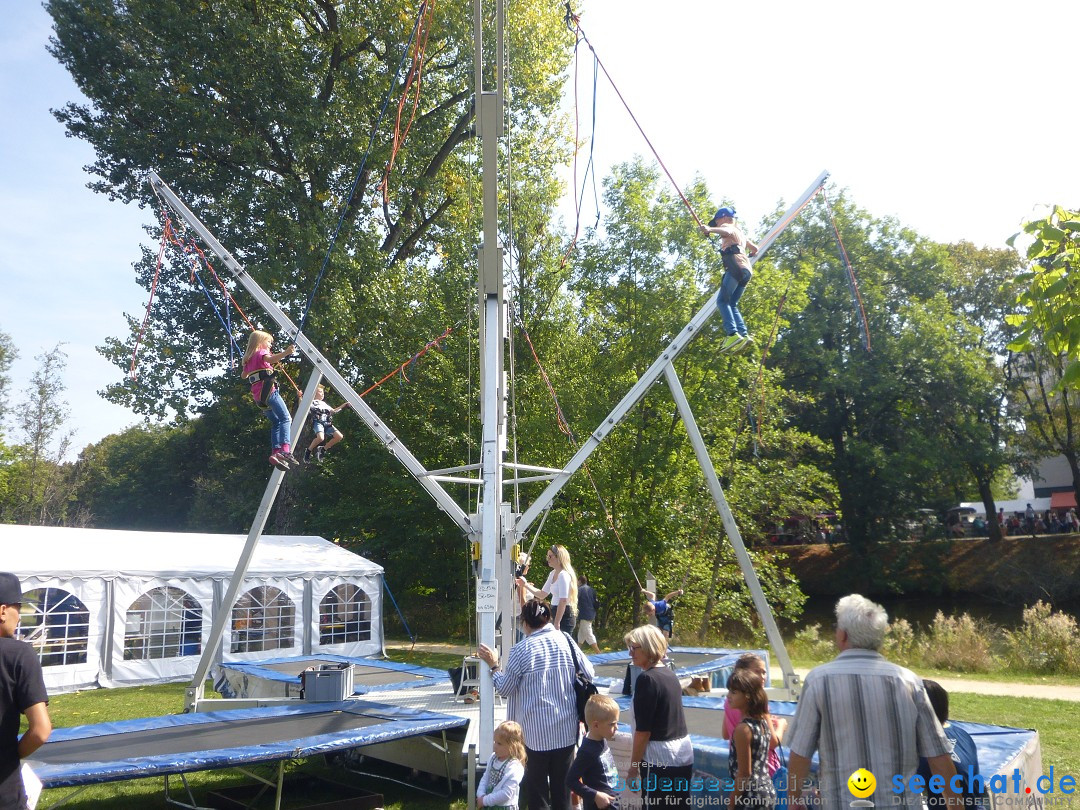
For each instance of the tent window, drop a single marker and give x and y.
(344, 616)
(57, 624)
(264, 618)
(163, 623)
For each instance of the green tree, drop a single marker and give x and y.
(42, 482)
(637, 280)
(1049, 294)
(1049, 407)
(259, 117)
(1048, 323)
(8, 353)
(921, 417)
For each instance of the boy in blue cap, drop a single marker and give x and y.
(734, 250)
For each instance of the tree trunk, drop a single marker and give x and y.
(993, 525)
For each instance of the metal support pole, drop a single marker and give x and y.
(194, 693)
(491, 311)
(652, 374)
(791, 680)
(308, 349)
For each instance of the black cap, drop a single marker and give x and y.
(10, 589)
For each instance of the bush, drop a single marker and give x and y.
(901, 646)
(808, 643)
(958, 643)
(1047, 642)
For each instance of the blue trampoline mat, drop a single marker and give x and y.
(369, 674)
(717, 662)
(997, 745)
(173, 744)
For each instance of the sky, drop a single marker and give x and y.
(956, 118)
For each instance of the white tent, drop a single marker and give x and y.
(108, 608)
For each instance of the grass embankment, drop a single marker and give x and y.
(1026, 568)
(1054, 719)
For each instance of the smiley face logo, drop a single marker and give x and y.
(861, 783)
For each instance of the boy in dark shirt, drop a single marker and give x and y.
(593, 775)
(22, 691)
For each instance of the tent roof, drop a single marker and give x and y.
(109, 553)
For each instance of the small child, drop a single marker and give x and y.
(751, 743)
(322, 425)
(501, 782)
(593, 775)
(662, 610)
(732, 716)
(258, 369)
(737, 274)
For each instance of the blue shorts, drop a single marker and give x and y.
(326, 431)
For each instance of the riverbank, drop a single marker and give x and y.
(1018, 570)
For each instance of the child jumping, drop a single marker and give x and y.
(322, 425)
(661, 609)
(737, 274)
(751, 743)
(501, 782)
(594, 775)
(258, 369)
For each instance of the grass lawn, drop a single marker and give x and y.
(1055, 721)
(1053, 718)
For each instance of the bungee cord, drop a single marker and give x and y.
(360, 171)
(564, 426)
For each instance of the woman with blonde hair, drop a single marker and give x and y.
(561, 587)
(662, 758)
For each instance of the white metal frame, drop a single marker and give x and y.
(495, 527)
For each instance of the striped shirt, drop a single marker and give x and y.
(538, 680)
(861, 711)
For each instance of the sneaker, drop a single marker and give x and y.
(730, 343)
(746, 345)
(278, 460)
(320, 451)
(290, 459)
(307, 455)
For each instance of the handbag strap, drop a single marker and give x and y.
(573, 653)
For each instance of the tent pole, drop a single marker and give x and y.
(194, 693)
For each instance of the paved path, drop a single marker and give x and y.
(1047, 691)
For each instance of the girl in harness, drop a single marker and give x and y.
(734, 247)
(258, 370)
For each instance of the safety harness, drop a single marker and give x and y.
(266, 377)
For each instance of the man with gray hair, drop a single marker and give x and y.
(860, 711)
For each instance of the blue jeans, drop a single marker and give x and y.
(731, 290)
(280, 420)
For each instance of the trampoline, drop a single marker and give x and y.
(280, 677)
(185, 743)
(716, 662)
(1002, 749)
